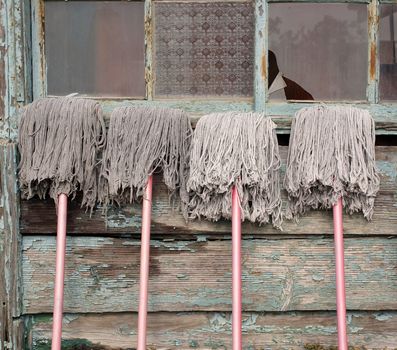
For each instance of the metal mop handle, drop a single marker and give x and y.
(340, 275)
(144, 270)
(59, 272)
(236, 270)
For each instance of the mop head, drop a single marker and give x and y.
(59, 142)
(141, 141)
(332, 154)
(235, 149)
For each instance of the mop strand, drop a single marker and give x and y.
(59, 142)
(334, 157)
(238, 149)
(142, 140)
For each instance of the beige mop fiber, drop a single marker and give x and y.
(332, 155)
(141, 141)
(59, 141)
(235, 149)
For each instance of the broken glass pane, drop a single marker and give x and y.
(388, 52)
(318, 51)
(204, 49)
(95, 48)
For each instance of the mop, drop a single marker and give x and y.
(234, 173)
(59, 142)
(331, 163)
(142, 141)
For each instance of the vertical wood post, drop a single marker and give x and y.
(260, 79)
(11, 323)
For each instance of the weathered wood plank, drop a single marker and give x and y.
(213, 330)
(13, 85)
(10, 252)
(373, 52)
(38, 217)
(385, 114)
(261, 47)
(102, 275)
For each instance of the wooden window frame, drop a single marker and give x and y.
(384, 113)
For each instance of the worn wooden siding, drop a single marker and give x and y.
(102, 275)
(288, 277)
(290, 330)
(11, 325)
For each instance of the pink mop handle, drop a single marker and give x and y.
(59, 272)
(340, 275)
(144, 270)
(236, 270)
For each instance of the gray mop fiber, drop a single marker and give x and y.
(141, 141)
(235, 149)
(332, 154)
(59, 142)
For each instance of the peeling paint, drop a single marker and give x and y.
(201, 238)
(387, 169)
(182, 276)
(317, 277)
(119, 220)
(287, 292)
(149, 76)
(39, 66)
(383, 316)
(261, 43)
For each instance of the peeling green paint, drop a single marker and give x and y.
(182, 276)
(383, 316)
(193, 344)
(387, 169)
(119, 220)
(317, 277)
(201, 238)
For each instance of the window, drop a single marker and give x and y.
(204, 49)
(321, 49)
(388, 52)
(95, 48)
(218, 55)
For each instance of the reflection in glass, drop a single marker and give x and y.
(321, 51)
(388, 52)
(95, 48)
(204, 49)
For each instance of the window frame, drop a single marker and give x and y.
(384, 113)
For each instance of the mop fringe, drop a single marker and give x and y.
(60, 139)
(141, 141)
(331, 154)
(235, 149)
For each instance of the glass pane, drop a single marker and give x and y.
(204, 49)
(321, 51)
(388, 52)
(95, 48)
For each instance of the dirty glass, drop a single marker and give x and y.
(388, 52)
(320, 51)
(95, 48)
(204, 49)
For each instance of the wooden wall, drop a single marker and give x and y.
(288, 277)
